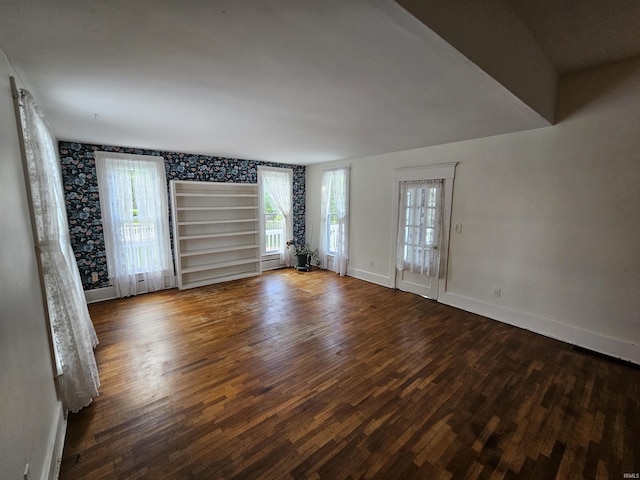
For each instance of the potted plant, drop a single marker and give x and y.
(305, 255)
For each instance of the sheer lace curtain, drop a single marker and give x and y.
(323, 244)
(420, 226)
(334, 219)
(135, 220)
(278, 182)
(73, 334)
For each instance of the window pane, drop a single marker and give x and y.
(430, 236)
(274, 227)
(333, 222)
(273, 232)
(430, 218)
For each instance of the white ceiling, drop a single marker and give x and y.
(581, 34)
(280, 80)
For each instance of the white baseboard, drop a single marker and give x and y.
(376, 278)
(52, 462)
(595, 341)
(99, 294)
(271, 264)
(109, 293)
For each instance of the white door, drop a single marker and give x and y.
(425, 285)
(419, 237)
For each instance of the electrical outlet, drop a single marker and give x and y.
(371, 263)
(496, 292)
(94, 277)
(458, 228)
(27, 472)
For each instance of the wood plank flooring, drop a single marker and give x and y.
(312, 375)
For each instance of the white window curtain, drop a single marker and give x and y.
(73, 333)
(278, 182)
(135, 220)
(420, 226)
(334, 219)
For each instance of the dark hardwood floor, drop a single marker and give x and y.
(310, 375)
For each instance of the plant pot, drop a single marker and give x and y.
(302, 262)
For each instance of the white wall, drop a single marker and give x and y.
(551, 216)
(494, 37)
(29, 410)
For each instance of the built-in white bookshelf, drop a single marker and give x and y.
(216, 231)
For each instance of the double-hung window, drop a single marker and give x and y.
(135, 218)
(276, 185)
(334, 219)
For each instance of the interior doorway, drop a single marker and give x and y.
(419, 236)
(422, 215)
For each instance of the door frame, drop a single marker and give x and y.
(445, 171)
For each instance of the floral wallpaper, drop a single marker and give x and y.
(83, 202)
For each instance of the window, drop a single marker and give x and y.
(333, 224)
(133, 200)
(419, 228)
(277, 217)
(334, 231)
(274, 226)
